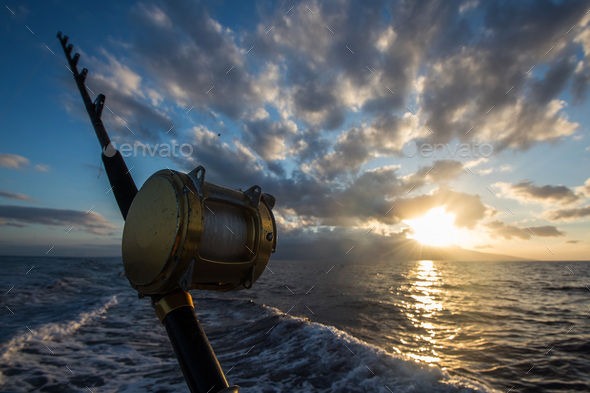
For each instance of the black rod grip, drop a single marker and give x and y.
(121, 181)
(197, 360)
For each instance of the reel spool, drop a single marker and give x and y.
(182, 232)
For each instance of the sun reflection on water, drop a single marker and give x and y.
(425, 291)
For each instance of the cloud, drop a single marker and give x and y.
(569, 214)
(500, 229)
(13, 161)
(526, 192)
(20, 197)
(468, 85)
(42, 167)
(90, 222)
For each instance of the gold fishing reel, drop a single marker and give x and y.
(182, 232)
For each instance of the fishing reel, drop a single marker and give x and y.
(183, 232)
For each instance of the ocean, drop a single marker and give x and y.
(75, 325)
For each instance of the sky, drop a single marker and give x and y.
(374, 124)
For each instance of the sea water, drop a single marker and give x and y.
(75, 325)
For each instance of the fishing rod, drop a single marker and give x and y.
(183, 233)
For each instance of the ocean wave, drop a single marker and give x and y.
(44, 334)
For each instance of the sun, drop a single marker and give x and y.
(435, 228)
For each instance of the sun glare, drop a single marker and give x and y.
(435, 228)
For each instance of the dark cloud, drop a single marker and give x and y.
(570, 214)
(90, 222)
(20, 197)
(526, 191)
(500, 229)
